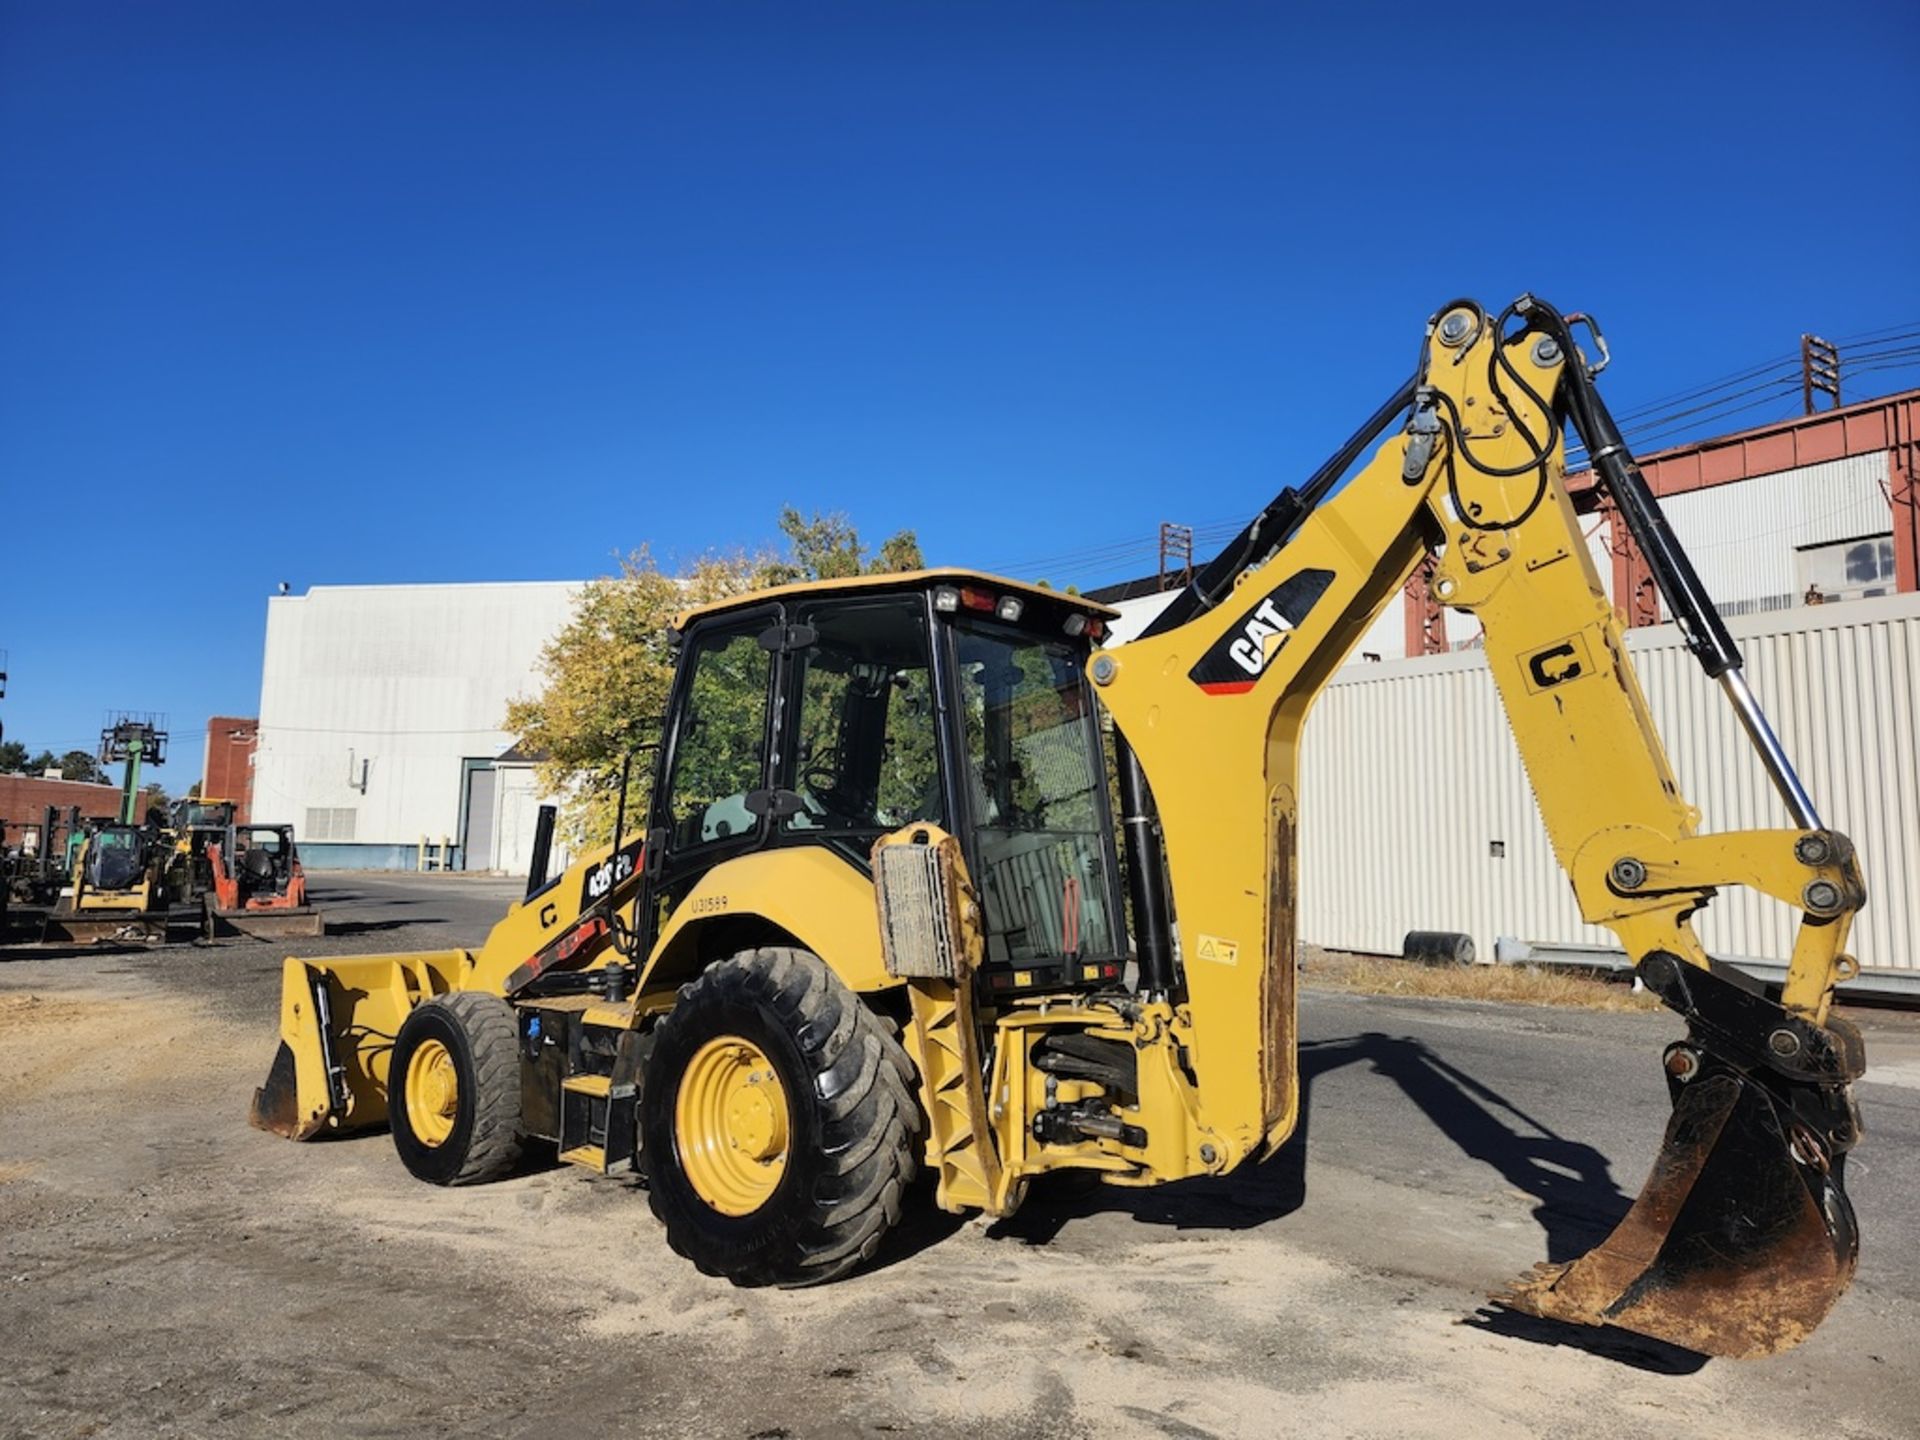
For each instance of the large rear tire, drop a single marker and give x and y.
(778, 1121)
(453, 1090)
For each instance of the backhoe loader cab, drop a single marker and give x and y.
(872, 921)
(829, 717)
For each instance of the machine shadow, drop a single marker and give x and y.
(337, 929)
(1577, 1201)
(1609, 1342)
(330, 895)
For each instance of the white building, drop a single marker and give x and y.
(382, 714)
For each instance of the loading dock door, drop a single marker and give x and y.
(480, 842)
(516, 808)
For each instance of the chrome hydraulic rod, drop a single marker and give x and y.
(1687, 600)
(1772, 754)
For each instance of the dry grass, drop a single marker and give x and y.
(1518, 984)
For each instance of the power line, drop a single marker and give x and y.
(1665, 419)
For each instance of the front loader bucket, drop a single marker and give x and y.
(1740, 1242)
(338, 1020)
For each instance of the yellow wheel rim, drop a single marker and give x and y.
(730, 1125)
(433, 1093)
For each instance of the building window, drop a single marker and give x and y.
(329, 824)
(1845, 569)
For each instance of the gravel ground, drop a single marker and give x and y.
(165, 1270)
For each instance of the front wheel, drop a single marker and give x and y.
(778, 1121)
(453, 1089)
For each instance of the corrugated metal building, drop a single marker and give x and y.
(1415, 812)
(381, 709)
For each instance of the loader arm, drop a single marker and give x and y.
(339, 1015)
(1743, 1238)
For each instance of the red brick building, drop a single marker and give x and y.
(24, 800)
(231, 740)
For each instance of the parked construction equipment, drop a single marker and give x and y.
(874, 919)
(197, 822)
(256, 886)
(118, 886)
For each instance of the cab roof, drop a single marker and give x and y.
(896, 581)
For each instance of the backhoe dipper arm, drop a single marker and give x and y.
(1745, 1204)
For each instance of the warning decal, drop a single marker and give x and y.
(1221, 952)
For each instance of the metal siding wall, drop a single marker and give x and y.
(1769, 516)
(413, 678)
(1409, 771)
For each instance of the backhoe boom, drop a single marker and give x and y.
(1475, 478)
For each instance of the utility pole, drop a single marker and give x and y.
(1176, 553)
(1819, 370)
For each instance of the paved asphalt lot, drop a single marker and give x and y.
(165, 1270)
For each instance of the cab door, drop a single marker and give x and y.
(711, 793)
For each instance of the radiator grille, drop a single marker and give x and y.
(917, 922)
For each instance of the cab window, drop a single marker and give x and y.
(719, 752)
(865, 753)
(1034, 777)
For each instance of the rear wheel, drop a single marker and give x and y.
(453, 1090)
(778, 1120)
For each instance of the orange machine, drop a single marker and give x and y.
(259, 888)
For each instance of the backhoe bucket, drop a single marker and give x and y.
(1740, 1242)
(338, 1020)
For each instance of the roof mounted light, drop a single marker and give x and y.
(1076, 624)
(946, 599)
(1009, 609)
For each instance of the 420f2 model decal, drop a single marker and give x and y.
(1239, 658)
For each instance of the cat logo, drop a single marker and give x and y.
(1241, 656)
(1251, 651)
(1557, 663)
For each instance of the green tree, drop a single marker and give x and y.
(606, 675)
(46, 760)
(154, 798)
(828, 547)
(13, 757)
(79, 765)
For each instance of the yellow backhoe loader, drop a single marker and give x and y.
(874, 919)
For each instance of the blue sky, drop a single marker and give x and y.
(407, 292)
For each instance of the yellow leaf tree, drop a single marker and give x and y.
(607, 673)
